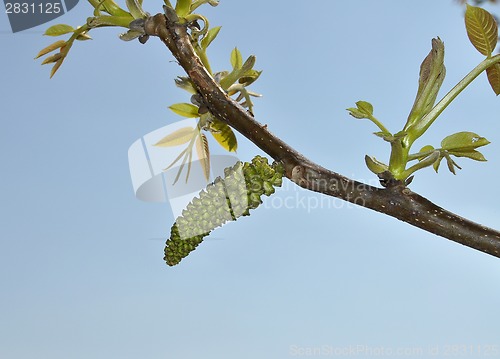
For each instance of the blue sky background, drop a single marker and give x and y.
(82, 274)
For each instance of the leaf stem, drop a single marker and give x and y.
(418, 155)
(429, 161)
(398, 159)
(419, 128)
(379, 124)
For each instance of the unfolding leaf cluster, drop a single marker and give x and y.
(482, 31)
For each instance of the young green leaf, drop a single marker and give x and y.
(182, 7)
(463, 141)
(135, 9)
(130, 35)
(185, 110)
(53, 58)
(374, 165)
(437, 163)
(224, 135)
(203, 152)
(236, 59)
(248, 65)
(183, 153)
(113, 9)
(209, 37)
(240, 70)
(185, 83)
(432, 74)
(197, 3)
(364, 110)
(176, 138)
(56, 45)
(250, 77)
(56, 66)
(59, 29)
(451, 164)
(482, 29)
(424, 150)
(493, 73)
(424, 153)
(106, 20)
(472, 154)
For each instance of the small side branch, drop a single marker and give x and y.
(396, 200)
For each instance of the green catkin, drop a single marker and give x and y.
(223, 200)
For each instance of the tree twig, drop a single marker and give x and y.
(395, 200)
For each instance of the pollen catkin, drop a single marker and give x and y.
(226, 199)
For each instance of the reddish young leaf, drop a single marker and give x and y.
(482, 29)
(493, 73)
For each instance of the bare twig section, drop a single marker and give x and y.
(396, 200)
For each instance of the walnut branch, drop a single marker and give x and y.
(396, 200)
